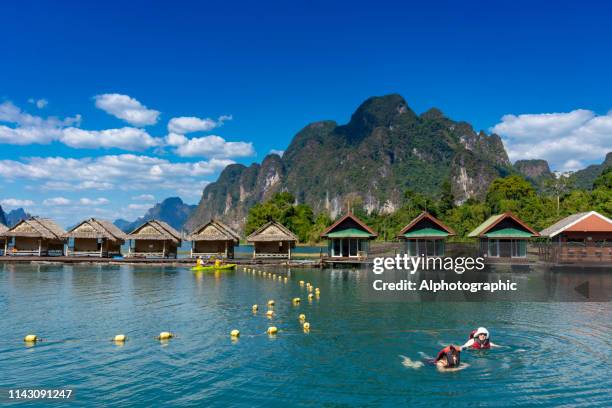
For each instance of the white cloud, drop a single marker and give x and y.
(279, 152)
(140, 206)
(126, 171)
(189, 124)
(127, 138)
(16, 203)
(568, 141)
(94, 201)
(209, 146)
(144, 197)
(126, 108)
(56, 201)
(40, 103)
(29, 129)
(67, 186)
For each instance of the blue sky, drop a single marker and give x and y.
(88, 93)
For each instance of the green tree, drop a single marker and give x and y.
(558, 187)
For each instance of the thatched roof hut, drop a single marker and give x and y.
(96, 229)
(36, 236)
(214, 230)
(272, 240)
(96, 237)
(213, 239)
(155, 238)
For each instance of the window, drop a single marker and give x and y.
(353, 247)
(493, 248)
(440, 247)
(519, 248)
(411, 247)
(336, 247)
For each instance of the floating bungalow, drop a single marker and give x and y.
(349, 237)
(272, 240)
(504, 236)
(95, 237)
(425, 235)
(213, 239)
(154, 239)
(34, 237)
(3, 240)
(582, 237)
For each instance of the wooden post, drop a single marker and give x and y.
(5, 246)
(225, 249)
(254, 249)
(164, 250)
(192, 244)
(39, 247)
(129, 254)
(289, 254)
(102, 248)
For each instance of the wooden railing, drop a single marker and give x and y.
(574, 253)
(209, 254)
(270, 255)
(133, 254)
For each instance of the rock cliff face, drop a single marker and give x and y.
(384, 150)
(584, 178)
(533, 169)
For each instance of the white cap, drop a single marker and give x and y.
(482, 330)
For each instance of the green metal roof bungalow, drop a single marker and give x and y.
(504, 236)
(348, 237)
(425, 235)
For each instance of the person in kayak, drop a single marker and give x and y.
(479, 339)
(199, 261)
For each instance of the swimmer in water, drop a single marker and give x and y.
(448, 359)
(479, 339)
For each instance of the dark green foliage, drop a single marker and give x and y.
(299, 218)
(513, 193)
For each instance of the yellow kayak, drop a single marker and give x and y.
(214, 268)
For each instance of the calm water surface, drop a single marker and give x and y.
(557, 353)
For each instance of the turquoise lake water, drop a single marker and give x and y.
(556, 354)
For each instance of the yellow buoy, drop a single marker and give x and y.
(270, 302)
(301, 283)
(296, 300)
(30, 338)
(165, 336)
(120, 338)
(255, 308)
(306, 326)
(272, 330)
(270, 313)
(235, 333)
(302, 317)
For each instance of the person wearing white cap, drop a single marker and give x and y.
(479, 339)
